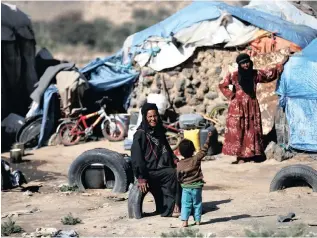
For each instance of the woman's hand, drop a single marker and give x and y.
(280, 68)
(143, 187)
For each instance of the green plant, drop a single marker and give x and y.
(8, 228)
(187, 232)
(70, 220)
(67, 188)
(298, 230)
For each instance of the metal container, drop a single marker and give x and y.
(15, 156)
(94, 177)
(19, 146)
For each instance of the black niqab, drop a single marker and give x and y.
(245, 77)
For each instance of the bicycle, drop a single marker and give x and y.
(75, 128)
(174, 135)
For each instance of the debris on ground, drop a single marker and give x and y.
(68, 188)
(278, 153)
(50, 232)
(19, 213)
(116, 199)
(289, 217)
(28, 193)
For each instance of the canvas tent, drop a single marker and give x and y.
(18, 74)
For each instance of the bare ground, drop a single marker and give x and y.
(235, 198)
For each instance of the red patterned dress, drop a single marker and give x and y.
(243, 134)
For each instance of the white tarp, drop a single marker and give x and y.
(284, 10)
(225, 29)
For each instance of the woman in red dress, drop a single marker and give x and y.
(243, 135)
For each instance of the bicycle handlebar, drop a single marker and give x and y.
(103, 101)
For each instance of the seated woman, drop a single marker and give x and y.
(154, 162)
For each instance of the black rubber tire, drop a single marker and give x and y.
(26, 123)
(294, 172)
(135, 202)
(112, 160)
(29, 133)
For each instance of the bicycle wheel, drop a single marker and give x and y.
(113, 130)
(68, 138)
(218, 110)
(173, 139)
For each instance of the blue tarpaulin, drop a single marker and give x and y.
(49, 116)
(108, 73)
(186, 17)
(48, 112)
(298, 95)
(203, 11)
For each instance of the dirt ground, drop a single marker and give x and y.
(235, 198)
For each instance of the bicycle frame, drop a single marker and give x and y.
(172, 126)
(82, 119)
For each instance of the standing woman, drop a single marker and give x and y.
(243, 135)
(153, 161)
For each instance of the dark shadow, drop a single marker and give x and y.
(225, 219)
(33, 189)
(149, 214)
(233, 218)
(28, 154)
(271, 136)
(30, 169)
(259, 158)
(212, 188)
(212, 206)
(22, 161)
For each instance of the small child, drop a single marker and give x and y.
(190, 176)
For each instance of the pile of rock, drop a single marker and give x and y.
(191, 86)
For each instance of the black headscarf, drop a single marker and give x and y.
(158, 130)
(245, 77)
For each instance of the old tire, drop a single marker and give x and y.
(112, 160)
(294, 173)
(135, 202)
(29, 133)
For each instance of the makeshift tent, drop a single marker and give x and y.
(18, 74)
(298, 95)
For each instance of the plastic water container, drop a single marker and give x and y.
(160, 100)
(94, 177)
(193, 135)
(214, 145)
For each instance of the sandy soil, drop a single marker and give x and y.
(235, 198)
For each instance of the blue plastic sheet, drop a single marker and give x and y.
(202, 11)
(109, 73)
(298, 95)
(301, 115)
(186, 17)
(48, 115)
(299, 77)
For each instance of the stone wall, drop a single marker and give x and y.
(191, 86)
